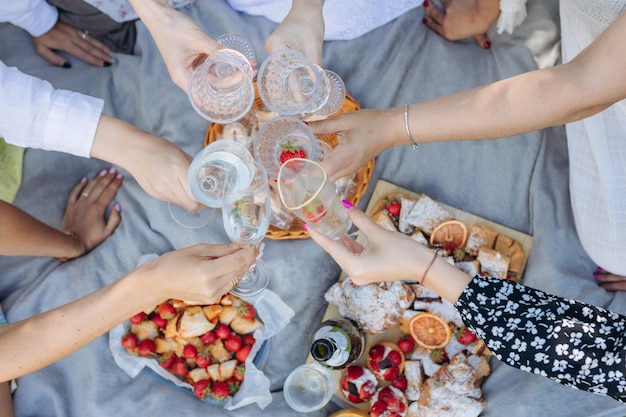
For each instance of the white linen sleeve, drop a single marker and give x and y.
(34, 114)
(35, 16)
(512, 14)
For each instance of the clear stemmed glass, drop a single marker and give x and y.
(284, 137)
(246, 213)
(336, 97)
(238, 43)
(304, 188)
(206, 177)
(290, 84)
(221, 89)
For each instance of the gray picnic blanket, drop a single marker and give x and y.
(520, 182)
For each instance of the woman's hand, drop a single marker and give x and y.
(361, 136)
(302, 29)
(66, 38)
(462, 19)
(86, 207)
(203, 272)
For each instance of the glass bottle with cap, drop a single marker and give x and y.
(337, 343)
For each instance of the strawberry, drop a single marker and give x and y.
(240, 372)
(159, 321)
(246, 310)
(202, 389)
(130, 341)
(391, 373)
(167, 360)
(167, 311)
(465, 336)
(138, 318)
(343, 382)
(179, 367)
(386, 396)
(219, 391)
(242, 353)
(395, 357)
(249, 339)
(314, 211)
(288, 151)
(354, 372)
(393, 208)
(233, 386)
(367, 390)
(208, 338)
(406, 345)
(378, 408)
(222, 331)
(401, 383)
(354, 399)
(233, 343)
(203, 358)
(377, 352)
(190, 351)
(459, 254)
(146, 347)
(439, 356)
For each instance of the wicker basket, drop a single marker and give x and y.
(361, 179)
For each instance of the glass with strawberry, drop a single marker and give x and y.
(305, 189)
(284, 138)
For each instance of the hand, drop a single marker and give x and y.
(86, 206)
(462, 19)
(361, 136)
(387, 255)
(302, 30)
(63, 37)
(203, 272)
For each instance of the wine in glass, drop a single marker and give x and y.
(246, 213)
(304, 188)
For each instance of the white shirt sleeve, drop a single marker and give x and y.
(33, 114)
(35, 16)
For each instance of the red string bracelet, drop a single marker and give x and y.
(431, 264)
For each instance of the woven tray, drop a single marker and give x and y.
(361, 179)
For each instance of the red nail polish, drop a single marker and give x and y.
(305, 122)
(425, 21)
(426, 4)
(487, 45)
(305, 227)
(347, 204)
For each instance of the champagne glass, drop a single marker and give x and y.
(290, 84)
(206, 177)
(221, 89)
(282, 138)
(238, 43)
(304, 188)
(336, 97)
(246, 213)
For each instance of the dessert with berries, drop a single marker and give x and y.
(386, 361)
(358, 384)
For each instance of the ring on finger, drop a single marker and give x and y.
(84, 194)
(234, 282)
(84, 35)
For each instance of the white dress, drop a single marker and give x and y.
(597, 147)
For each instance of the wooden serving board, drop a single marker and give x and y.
(381, 191)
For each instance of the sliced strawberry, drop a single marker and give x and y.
(354, 398)
(406, 344)
(378, 408)
(387, 396)
(367, 390)
(243, 352)
(354, 372)
(138, 318)
(395, 357)
(377, 352)
(391, 373)
(401, 383)
(202, 389)
(130, 341)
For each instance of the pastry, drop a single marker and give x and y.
(382, 218)
(493, 262)
(387, 402)
(511, 248)
(480, 237)
(406, 206)
(357, 384)
(426, 214)
(415, 377)
(386, 361)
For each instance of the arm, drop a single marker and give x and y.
(203, 272)
(302, 29)
(181, 42)
(573, 343)
(534, 100)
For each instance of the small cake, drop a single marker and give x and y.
(493, 262)
(406, 205)
(357, 384)
(511, 248)
(386, 361)
(480, 237)
(426, 214)
(383, 219)
(387, 402)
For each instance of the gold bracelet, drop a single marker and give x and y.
(431, 264)
(77, 247)
(414, 144)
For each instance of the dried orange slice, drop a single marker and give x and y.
(450, 235)
(430, 330)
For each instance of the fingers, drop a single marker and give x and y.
(115, 218)
(436, 16)
(53, 58)
(483, 41)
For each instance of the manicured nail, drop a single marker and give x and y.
(117, 207)
(66, 64)
(305, 122)
(305, 227)
(83, 180)
(596, 275)
(103, 173)
(487, 45)
(106, 64)
(426, 3)
(425, 20)
(600, 270)
(119, 176)
(112, 170)
(347, 204)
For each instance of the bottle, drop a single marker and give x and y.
(337, 343)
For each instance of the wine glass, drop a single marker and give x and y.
(282, 138)
(336, 97)
(206, 176)
(238, 43)
(246, 213)
(221, 89)
(304, 188)
(289, 83)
